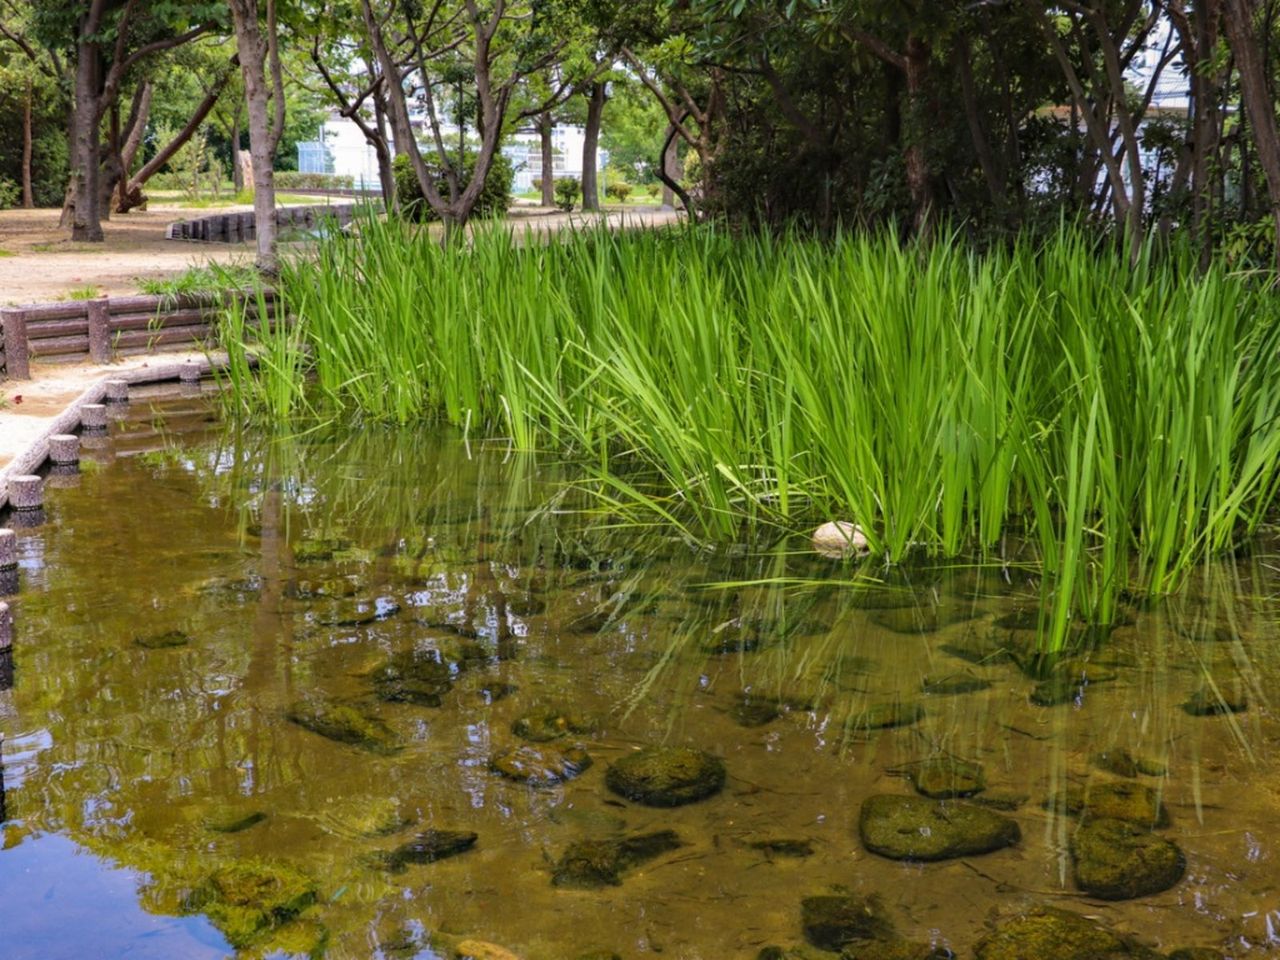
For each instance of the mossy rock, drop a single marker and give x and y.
(1215, 699)
(923, 619)
(551, 723)
(366, 817)
(915, 828)
(1117, 760)
(1131, 802)
(882, 716)
(496, 690)
(1050, 934)
(1000, 800)
(944, 778)
(358, 613)
(885, 597)
(594, 864)
(831, 921)
(953, 684)
(666, 776)
(317, 550)
(894, 950)
(746, 639)
(753, 710)
(343, 723)
(428, 847)
(163, 641)
(1115, 860)
(599, 955)
(543, 766)
(419, 677)
(1197, 953)
(983, 649)
(233, 821)
(471, 949)
(781, 846)
(1063, 680)
(247, 900)
(339, 588)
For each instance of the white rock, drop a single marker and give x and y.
(840, 538)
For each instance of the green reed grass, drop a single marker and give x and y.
(1121, 417)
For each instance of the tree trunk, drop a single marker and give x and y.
(917, 163)
(545, 126)
(1238, 19)
(86, 226)
(590, 148)
(237, 171)
(28, 195)
(669, 163)
(265, 99)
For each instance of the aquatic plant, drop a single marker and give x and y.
(1119, 418)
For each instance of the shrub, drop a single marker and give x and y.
(537, 184)
(293, 180)
(9, 193)
(654, 189)
(619, 190)
(568, 189)
(493, 201)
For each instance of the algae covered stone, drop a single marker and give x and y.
(1115, 860)
(666, 776)
(540, 766)
(880, 716)
(834, 920)
(894, 950)
(952, 684)
(1050, 934)
(419, 677)
(343, 723)
(915, 828)
(1133, 802)
(162, 641)
(428, 847)
(944, 778)
(551, 723)
(592, 864)
(246, 900)
(1217, 698)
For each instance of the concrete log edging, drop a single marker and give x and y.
(30, 459)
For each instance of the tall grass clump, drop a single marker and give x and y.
(1122, 417)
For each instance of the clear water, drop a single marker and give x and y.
(120, 761)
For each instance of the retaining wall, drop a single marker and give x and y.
(238, 227)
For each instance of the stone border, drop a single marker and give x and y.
(30, 458)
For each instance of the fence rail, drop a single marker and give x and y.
(238, 227)
(107, 327)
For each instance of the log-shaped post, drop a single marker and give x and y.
(16, 349)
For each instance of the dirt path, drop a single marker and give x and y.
(38, 262)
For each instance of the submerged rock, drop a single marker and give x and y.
(736, 637)
(233, 821)
(317, 550)
(1132, 802)
(493, 692)
(1197, 953)
(782, 846)
(1000, 800)
(428, 847)
(1213, 699)
(1050, 934)
(247, 900)
(482, 950)
(358, 613)
(1115, 860)
(923, 619)
(162, 641)
(540, 766)
(880, 716)
(951, 684)
(894, 950)
(551, 723)
(599, 955)
(1065, 681)
(832, 921)
(419, 677)
(666, 776)
(944, 778)
(980, 648)
(363, 816)
(592, 864)
(344, 724)
(753, 711)
(1117, 760)
(913, 828)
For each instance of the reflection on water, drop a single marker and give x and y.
(303, 690)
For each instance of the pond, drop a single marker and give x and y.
(383, 693)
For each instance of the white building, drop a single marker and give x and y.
(342, 150)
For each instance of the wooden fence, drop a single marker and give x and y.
(108, 327)
(238, 227)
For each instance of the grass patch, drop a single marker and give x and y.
(198, 280)
(87, 292)
(1117, 422)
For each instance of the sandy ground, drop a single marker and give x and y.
(38, 262)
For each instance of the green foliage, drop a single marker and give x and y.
(1123, 418)
(10, 193)
(618, 190)
(568, 190)
(493, 201)
(293, 180)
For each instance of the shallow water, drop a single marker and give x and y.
(297, 570)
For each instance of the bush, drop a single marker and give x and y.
(654, 189)
(568, 189)
(619, 190)
(9, 193)
(493, 201)
(537, 184)
(293, 180)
